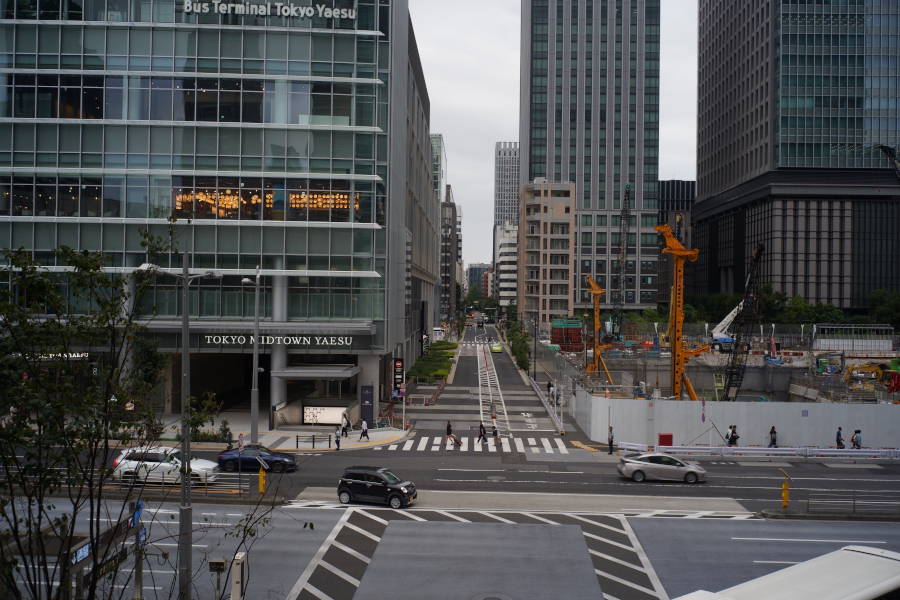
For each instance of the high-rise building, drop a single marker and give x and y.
(547, 256)
(296, 140)
(506, 183)
(793, 99)
(449, 257)
(460, 264)
(476, 273)
(506, 251)
(675, 201)
(590, 117)
(439, 166)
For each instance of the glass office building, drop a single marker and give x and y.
(590, 116)
(293, 137)
(794, 99)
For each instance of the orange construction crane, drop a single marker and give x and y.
(680, 353)
(596, 291)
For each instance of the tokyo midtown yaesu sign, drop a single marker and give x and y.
(269, 9)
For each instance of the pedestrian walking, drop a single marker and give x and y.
(344, 425)
(773, 437)
(549, 387)
(728, 436)
(496, 435)
(839, 439)
(482, 434)
(450, 435)
(552, 392)
(856, 439)
(734, 435)
(364, 432)
(610, 438)
(337, 437)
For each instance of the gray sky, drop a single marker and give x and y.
(470, 55)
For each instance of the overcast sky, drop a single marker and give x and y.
(470, 55)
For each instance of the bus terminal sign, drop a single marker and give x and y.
(269, 9)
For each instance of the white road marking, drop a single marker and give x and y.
(317, 593)
(393, 446)
(561, 446)
(452, 516)
(547, 446)
(519, 445)
(775, 562)
(176, 545)
(408, 445)
(635, 586)
(303, 581)
(616, 560)
(422, 443)
(539, 518)
(535, 450)
(814, 541)
(373, 517)
(493, 516)
(362, 531)
(492, 447)
(531, 442)
(465, 444)
(477, 447)
(351, 580)
(505, 443)
(349, 551)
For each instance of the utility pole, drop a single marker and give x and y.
(185, 513)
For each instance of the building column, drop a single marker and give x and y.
(370, 374)
(277, 385)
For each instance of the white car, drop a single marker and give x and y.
(158, 464)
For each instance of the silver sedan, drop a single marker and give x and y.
(659, 466)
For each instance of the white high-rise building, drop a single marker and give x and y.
(459, 240)
(506, 252)
(506, 183)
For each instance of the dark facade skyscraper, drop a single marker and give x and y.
(590, 116)
(296, 138)
(793, 100)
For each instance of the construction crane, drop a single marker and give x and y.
(596, 291)
(737, 363)
(892, 158)
(680, 353)
(891, 379)
(618, 319)
(721, 341)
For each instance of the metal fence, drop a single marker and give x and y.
(853, 502)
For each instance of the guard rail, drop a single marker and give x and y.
(853, 502)
(805, 452)
(557, 422)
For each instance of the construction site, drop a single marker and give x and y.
(750, 371)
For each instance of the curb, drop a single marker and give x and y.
(774, 514)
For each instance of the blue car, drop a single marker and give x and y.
(277, 462)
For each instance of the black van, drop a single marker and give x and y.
(375, 484)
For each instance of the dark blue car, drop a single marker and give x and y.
(277, 461)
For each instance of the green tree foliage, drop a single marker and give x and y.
(512, 311)
(519, 344)
(885, 307)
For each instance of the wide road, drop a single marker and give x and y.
(531, 459)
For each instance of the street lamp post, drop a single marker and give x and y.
(185, 512)
(254, 392)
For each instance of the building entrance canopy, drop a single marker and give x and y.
(316, 372)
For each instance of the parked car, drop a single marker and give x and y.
(160, 464)
(655, 465)
(375, 484)
(277, 461)
(496, 347)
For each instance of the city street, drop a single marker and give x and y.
(480, 509)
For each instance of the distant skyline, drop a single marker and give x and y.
(472, 73)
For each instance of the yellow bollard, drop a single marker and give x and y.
(785, 491)
(262, 482)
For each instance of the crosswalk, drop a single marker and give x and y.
(521, 445)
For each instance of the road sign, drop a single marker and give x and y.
(142, 537)
(398, 374)
(241, 442)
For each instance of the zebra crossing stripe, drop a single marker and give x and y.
(505, 443)
(408, 445)
(436, 444)
(520, 447)
(423, 443)
(562, 447)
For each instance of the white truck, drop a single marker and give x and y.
(721, 341)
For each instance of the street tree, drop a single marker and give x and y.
(77, 379)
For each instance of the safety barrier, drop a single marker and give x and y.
(552, 413)
(633, 447)
(312, 438)
(853, 502)
(758, 451)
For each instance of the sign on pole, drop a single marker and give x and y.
(399, 374)
(241, 442)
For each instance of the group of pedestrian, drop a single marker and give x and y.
(731, 436)
(855, 439)
(482, 435)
